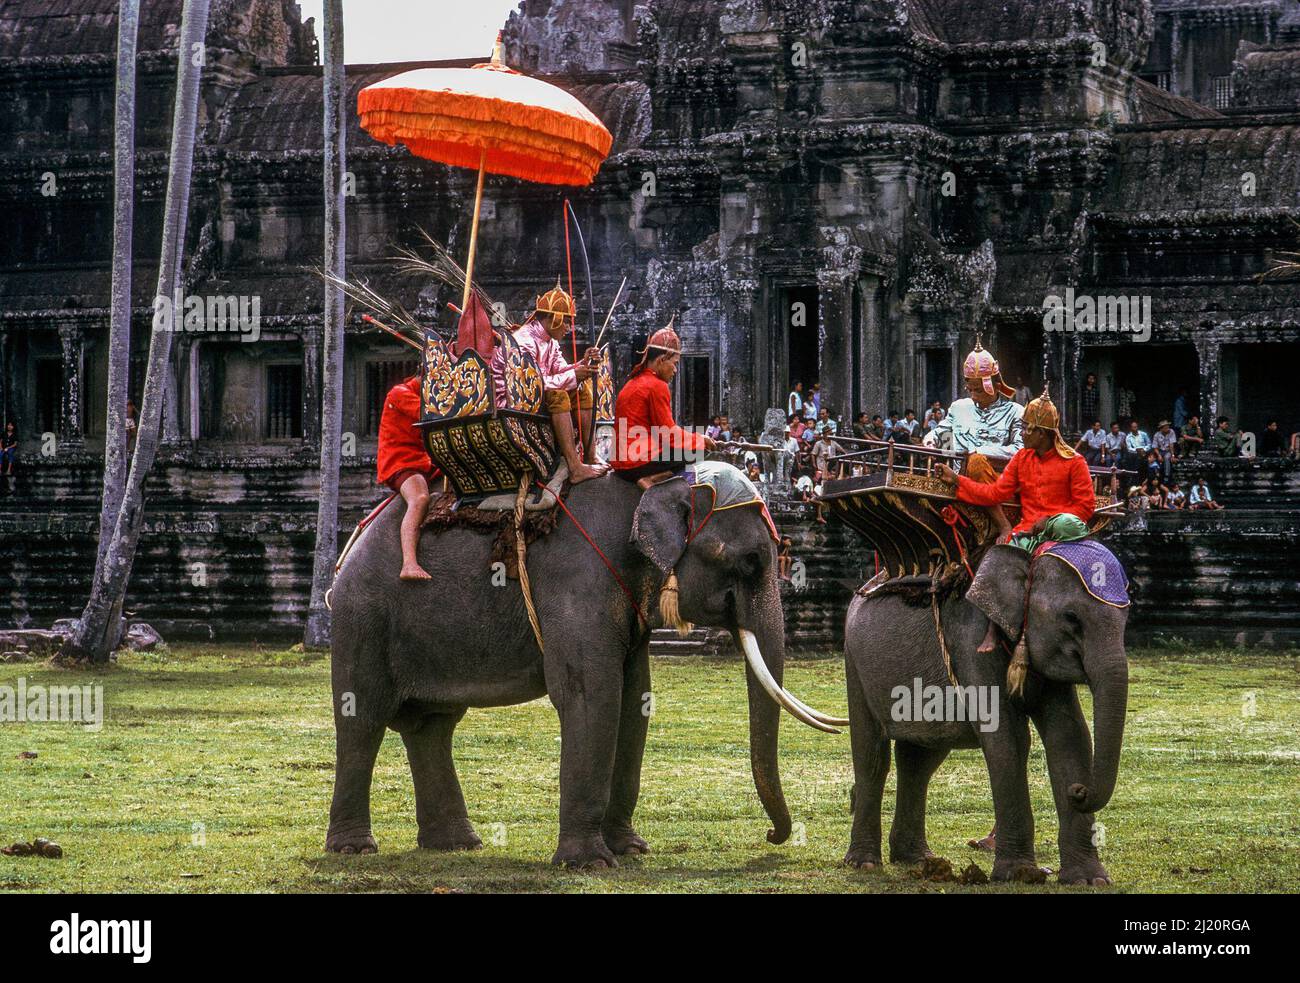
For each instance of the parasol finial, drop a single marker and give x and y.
(497, 61)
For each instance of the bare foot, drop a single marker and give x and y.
(988, 843)
(579, 473)
(649, 481)
(990, 642)
(413, 571)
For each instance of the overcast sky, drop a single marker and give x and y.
(415, 30)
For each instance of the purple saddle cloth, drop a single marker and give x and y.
(1097, 567)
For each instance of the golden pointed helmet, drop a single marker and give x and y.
(981, 364)
(1042, 414)
(663, 341)
(556, 301)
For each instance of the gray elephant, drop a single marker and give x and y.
(1072, 637)
(414, 656)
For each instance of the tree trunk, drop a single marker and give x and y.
(116, 438)
(92, 637)
(317, 633)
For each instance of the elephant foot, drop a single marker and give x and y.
(350, 842)
(455, 836)
(910, 854)
(1022, 870)
(1088, 874)
(584, 853)
(625, 842)
(863, 858)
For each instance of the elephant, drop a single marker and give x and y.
(414, 656)
(1071, 636)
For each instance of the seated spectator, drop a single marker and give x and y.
(803, 487)
(725, 433)
(1137, 500)
(1093, 444)
(1155, 494)
(1201, 498)
(1165, 445)
(714, 429)
(796, 426)
(862, 427)
(1191, 439)
(1152, 466)
(1270, 441)
(825, 423)
(1176, 499)
(912, 424)
(932, 416)
(824, 451)
(877, 428)
(752, 472)
(1137, 445)
(891, 423)
(899, 434)
(1223, 442)
(1113, 449)
(784, 559)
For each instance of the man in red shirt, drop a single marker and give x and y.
(649, 445)
(405, 467)
(1052, 481)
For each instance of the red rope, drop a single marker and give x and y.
(692, 530)
(600, 553)
(954, 518)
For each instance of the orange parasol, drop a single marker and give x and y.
(490, 117)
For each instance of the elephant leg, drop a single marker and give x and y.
(439, 804)
(1006, 753)
(1068, 745)
(588, 695)
(870, 748)
(916, 765)
(634, 721)
(356, 745)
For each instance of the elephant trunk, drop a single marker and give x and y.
(1109, 708)
(764, 726)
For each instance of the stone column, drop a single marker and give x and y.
(1209, 355)
(872, 396)
(744, 348)
(312, 343)
(834, 350)
(73, 342)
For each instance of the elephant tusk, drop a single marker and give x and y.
(798, 710)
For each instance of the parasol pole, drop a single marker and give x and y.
(473, 230)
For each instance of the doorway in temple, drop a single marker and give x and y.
(801, 328)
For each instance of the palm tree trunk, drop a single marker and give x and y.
(91, 639)
(327, 513)
(119, 328)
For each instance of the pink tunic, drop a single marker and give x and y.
(557, 373)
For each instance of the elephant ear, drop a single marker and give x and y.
(998, 589)
(659, 525)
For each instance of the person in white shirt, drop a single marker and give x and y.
(1201, 497)
(1093, 444)
(794, 402)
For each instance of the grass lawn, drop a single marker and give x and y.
(214, 768)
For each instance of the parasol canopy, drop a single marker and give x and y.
(512, 124)
(492, 118)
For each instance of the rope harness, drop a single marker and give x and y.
(521, 554)
(938, 625)
(954, 519)
(603, 558)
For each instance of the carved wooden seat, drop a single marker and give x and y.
(484, 449)
(892, 495)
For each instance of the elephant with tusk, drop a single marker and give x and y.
(892, 650)
(415, 656)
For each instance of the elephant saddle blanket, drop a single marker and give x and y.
(1097, 567)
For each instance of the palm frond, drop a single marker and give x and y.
(360, 292)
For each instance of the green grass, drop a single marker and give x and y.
(237, 745)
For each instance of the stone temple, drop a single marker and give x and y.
(838, 191)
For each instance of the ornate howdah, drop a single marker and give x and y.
(895, 499)
(482, 448)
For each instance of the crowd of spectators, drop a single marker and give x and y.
(813, 434)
